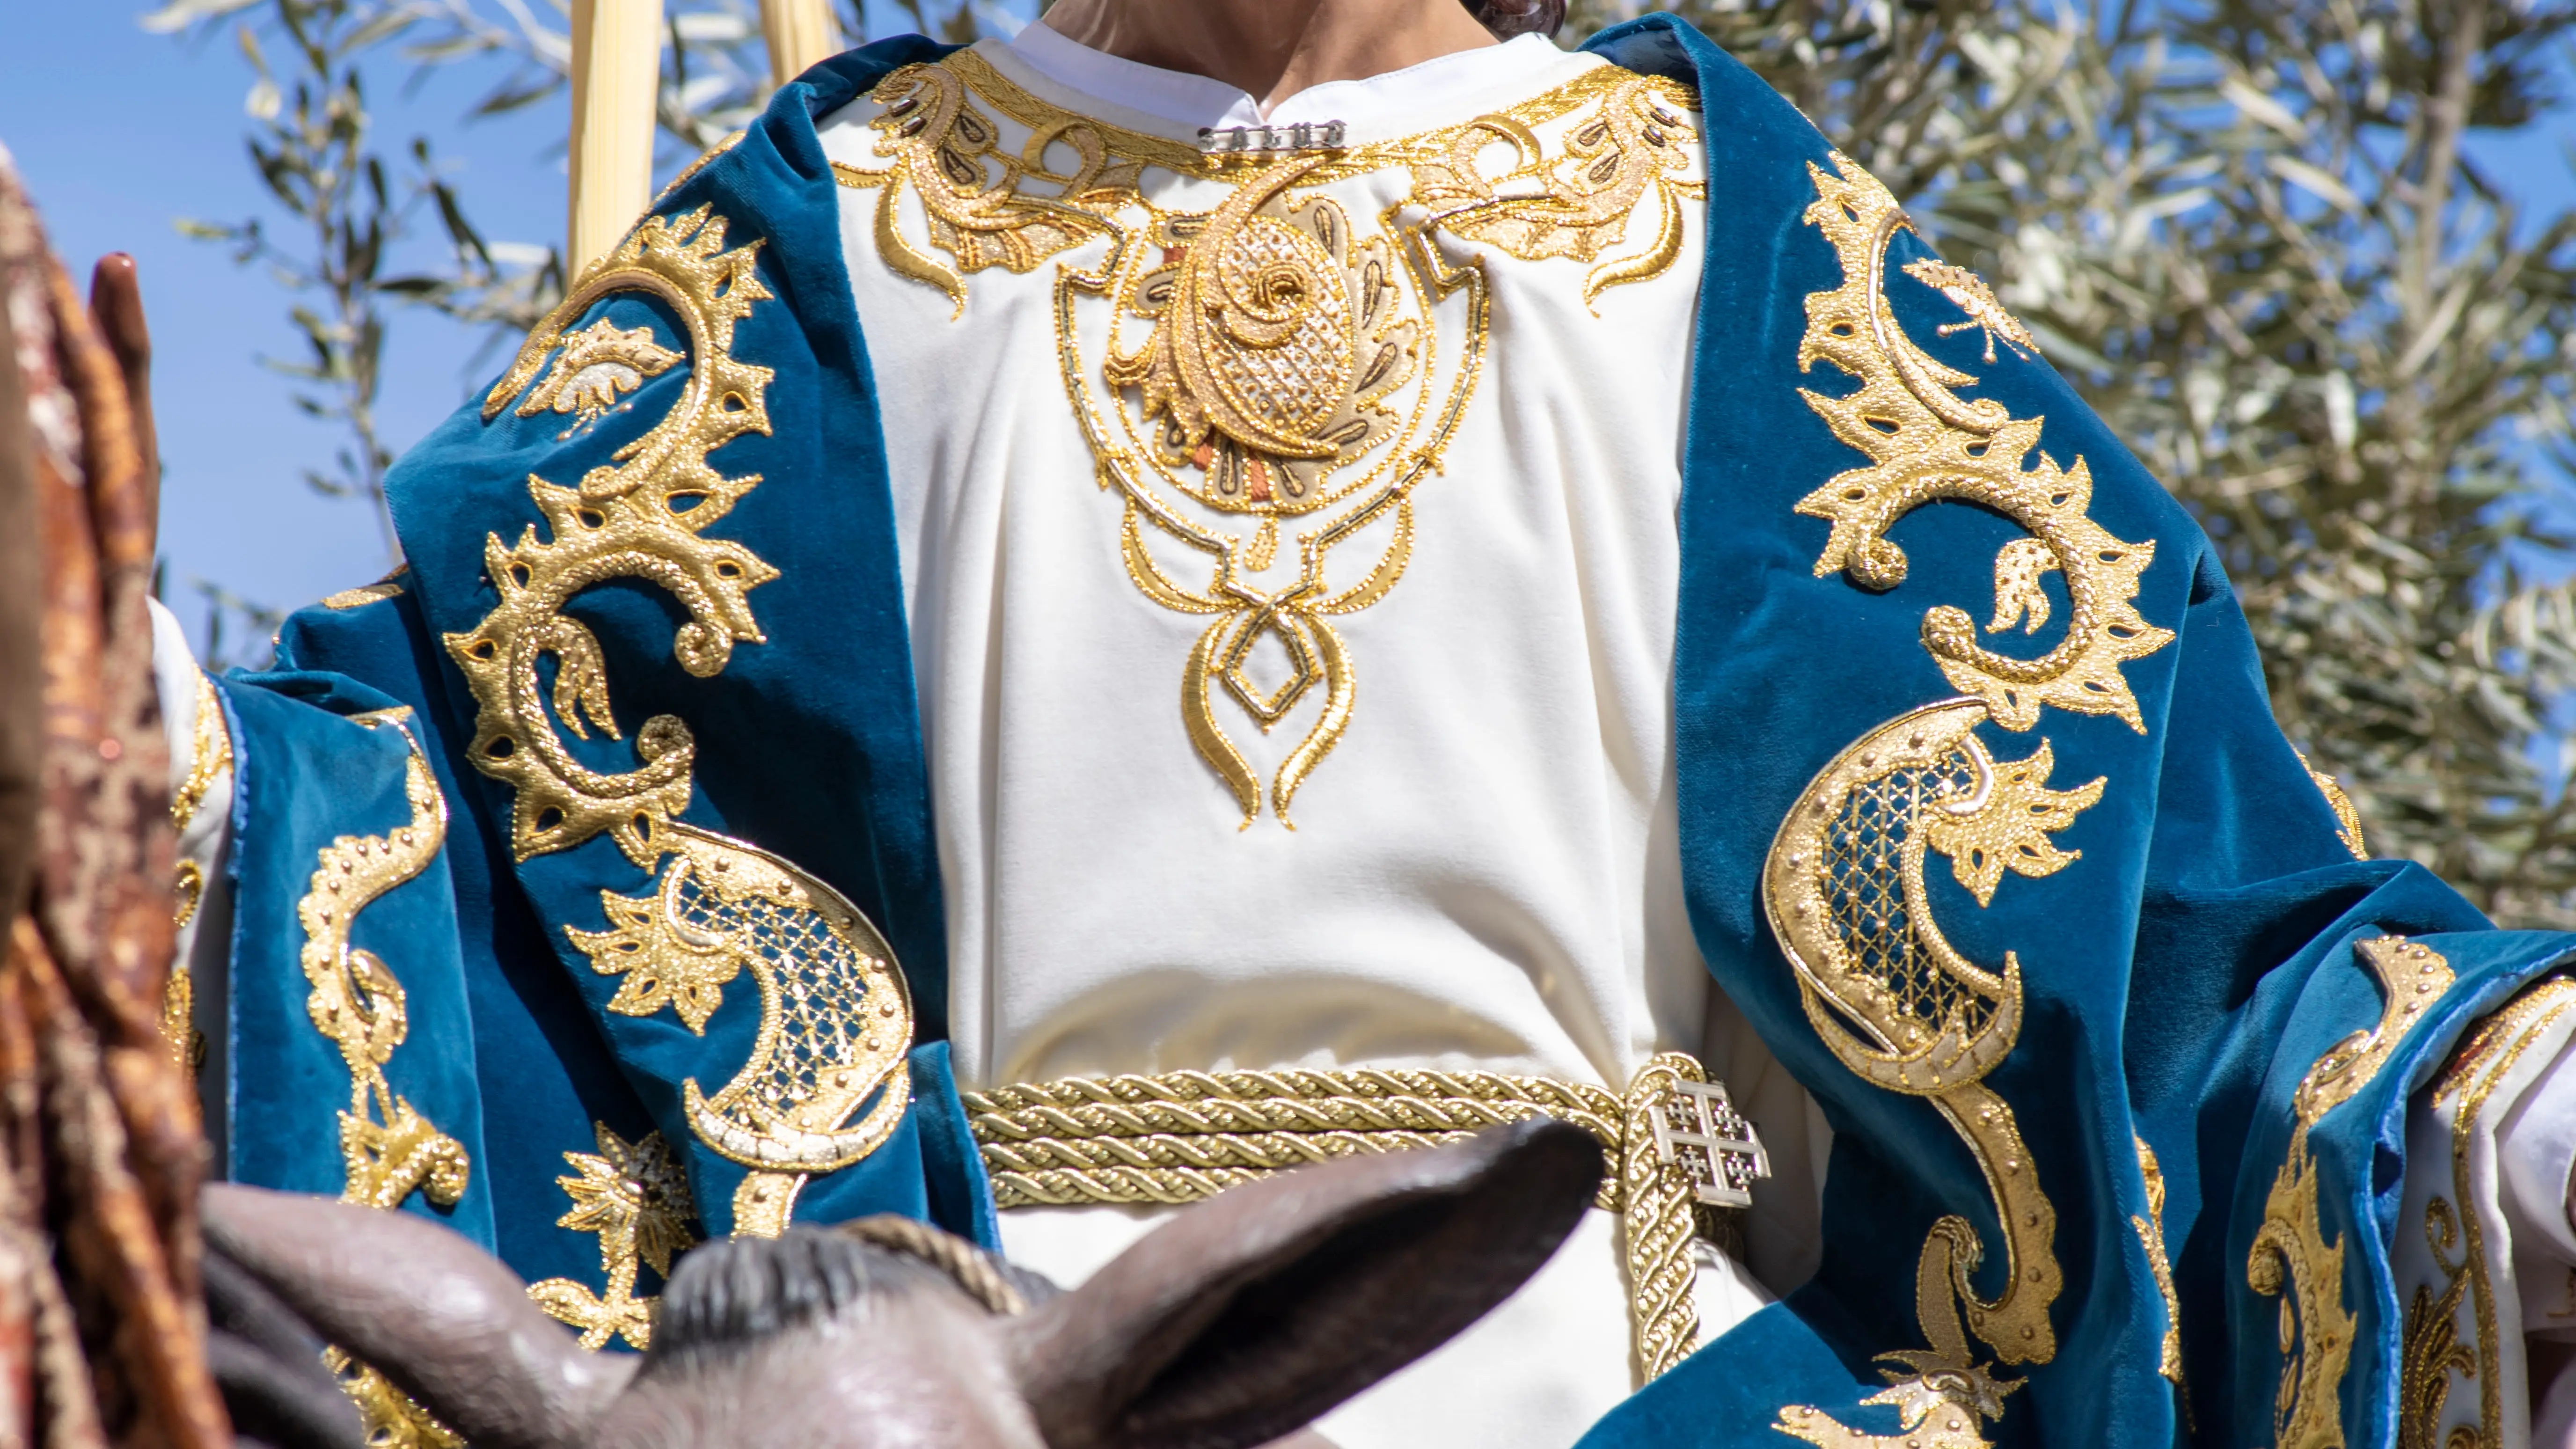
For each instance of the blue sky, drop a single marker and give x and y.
(119, 132)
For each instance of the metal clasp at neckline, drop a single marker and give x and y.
(1226, 143)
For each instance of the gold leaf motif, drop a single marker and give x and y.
(642, 516)
(2291, 1258)
(2006, 825)
(1289, 364)
(636, 1198)
(1969, 293)
(1925, 443)
(598, 365)
(2430, 1350)
(835, 1012)
(389, 1149)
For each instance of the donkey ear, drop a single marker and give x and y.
(441, 1318)
(1247, 1317)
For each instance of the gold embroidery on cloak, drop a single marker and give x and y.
(835, 1014)
(2432, 1353)
(2291, 1258)
(1288, 369)
(2347, 818)
(387, 1147)
(2151, 1236)
(1844, 881)
(636, 1198)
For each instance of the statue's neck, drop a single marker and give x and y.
(1271, 49)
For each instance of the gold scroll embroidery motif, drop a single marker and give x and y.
(1925, 443)
(2291, 1258)
(388, 1148)
(2151, 1236)
(1844, 882)
(1270, 361)
(388, 587)
(635, 1196)
(2433, 1351)
(645, 517)
(835, 1014)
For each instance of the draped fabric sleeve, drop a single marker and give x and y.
(1987, 828)
(582, 871)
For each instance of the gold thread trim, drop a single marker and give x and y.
(2347, 818)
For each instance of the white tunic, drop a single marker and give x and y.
(1483, 870)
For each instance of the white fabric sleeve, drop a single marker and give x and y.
(201, 805)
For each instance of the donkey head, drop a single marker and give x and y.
(1240, 1320)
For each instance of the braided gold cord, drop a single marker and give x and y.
(1657, 1225)
(1179, 1137)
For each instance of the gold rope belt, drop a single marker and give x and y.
(1178, 1137)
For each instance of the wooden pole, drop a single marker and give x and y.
(616, 67)
(799, 32)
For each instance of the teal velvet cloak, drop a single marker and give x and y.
(2040, 916)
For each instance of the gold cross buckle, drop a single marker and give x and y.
(1698, 1130)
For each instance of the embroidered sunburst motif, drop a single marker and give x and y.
(635, 1197)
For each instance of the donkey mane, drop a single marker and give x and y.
(727, 1296)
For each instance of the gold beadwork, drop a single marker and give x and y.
(2479, 1066)
(835, 1013)
(636, 1197)
(2290, 1258)
(1180, 1137)
(1288, 365)
(1925, 443)
(642, 517)
(389, 1148)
